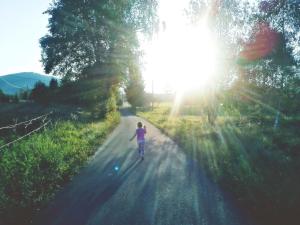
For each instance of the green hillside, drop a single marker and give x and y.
(14, 83)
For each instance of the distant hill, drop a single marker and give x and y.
(13, 83)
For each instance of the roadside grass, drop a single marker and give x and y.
(34, 169)
(247, 157)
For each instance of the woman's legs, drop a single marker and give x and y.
(141, 148)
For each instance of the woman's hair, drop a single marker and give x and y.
(139, 124)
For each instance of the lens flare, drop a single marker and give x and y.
(116, 168)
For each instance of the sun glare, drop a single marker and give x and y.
(196, 59)
(184, 56)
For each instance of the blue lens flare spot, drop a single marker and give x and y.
(116, 168)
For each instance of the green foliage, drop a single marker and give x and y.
(90, 41)
(244, 154)
(53, 84)
(85, 34)
(111, 103)
(112, 114)
(245, 29)
(119, 98)
(134, 89)
(34, 169)
(89, 93)
(40, 93)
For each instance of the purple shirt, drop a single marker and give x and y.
(140, 133)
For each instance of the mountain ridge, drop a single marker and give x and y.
(14, 83)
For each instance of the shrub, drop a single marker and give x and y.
(33, 170)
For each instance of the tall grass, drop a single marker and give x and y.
(257, 164)
(32, 170)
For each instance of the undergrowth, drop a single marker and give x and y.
(32, 170)
(250, 159)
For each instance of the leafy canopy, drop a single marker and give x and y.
(87, 34)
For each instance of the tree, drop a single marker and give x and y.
(92, 42)
(53, 85)
(259, 44)
(88, 34)
(40, 93)
(262, 34)
(24, 94)
(134, 89)
(3, 98)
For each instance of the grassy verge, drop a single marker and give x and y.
(34, 169)
(254, 162)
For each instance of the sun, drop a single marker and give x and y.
(185, 57)
(196, 59)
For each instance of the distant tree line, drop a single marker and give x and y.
(3, 98)
(23, 95)
(41, 93)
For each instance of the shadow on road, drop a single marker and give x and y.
(126, 111)
(109, 191)
(167, 188)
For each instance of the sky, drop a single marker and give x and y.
(22, 24)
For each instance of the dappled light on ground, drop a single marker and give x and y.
(168, 187)
(239, 152)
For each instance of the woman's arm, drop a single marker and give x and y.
(145, 130)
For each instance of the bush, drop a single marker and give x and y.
(256, 163)
(33, 170)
